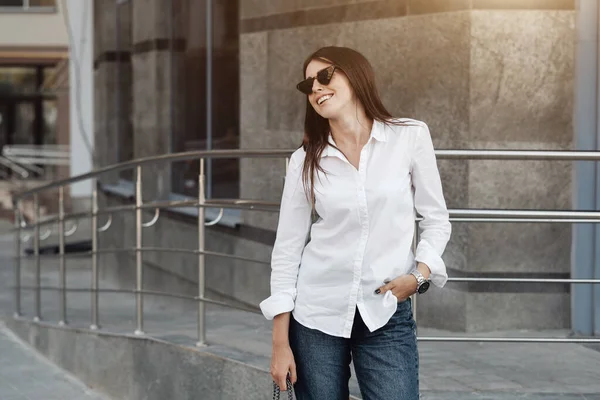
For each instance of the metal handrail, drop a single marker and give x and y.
(518, 155)
(461, 215)
(205, 154)
(456, 215)
(172, 157)
(23, 172)
(150, 292)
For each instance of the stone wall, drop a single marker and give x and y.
(483, 74)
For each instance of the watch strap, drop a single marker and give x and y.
(420, 278)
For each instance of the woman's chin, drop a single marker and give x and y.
(327, 114)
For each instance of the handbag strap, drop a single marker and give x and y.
(277, 390)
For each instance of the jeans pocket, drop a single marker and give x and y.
(404, 311)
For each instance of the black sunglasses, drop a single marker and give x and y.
(323, 77)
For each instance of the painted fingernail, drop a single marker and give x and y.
(377, 291)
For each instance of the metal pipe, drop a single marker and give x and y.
(36, 251)
(518, 155)
(529, 220)
(71, 231)
(107, 225)
(243, 204)
(62, 271)
(7, 162)
(203, 300)
(521, 214)
(139, 276)
(95, 295)
(217, 219)
(414, 296)
(161, 249)
(153, 220)
(206, 253)
(525, 280)
(525, 155)
(505, 339)
(201, 258)
(456, 215)
(17, 260)
(171, 204)
(155, 293)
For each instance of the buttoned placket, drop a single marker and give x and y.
(363, 214)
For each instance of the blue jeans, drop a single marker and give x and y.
(386, 361)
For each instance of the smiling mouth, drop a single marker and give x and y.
(324, 99)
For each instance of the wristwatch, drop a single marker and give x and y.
(422, 283)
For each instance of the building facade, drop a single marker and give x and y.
(483, 74)
(33, 78)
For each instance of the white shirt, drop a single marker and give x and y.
(364, 231)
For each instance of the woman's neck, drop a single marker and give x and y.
(351, 129)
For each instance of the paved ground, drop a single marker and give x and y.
(25, 375)
(449, 371)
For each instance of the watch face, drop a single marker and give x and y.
(423, 288)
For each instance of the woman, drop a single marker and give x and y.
(342, 265)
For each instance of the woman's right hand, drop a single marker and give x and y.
(282, 362)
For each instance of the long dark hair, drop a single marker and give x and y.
(316, 128)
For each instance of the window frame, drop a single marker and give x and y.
(26, 7)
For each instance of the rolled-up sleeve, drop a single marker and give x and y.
(435, 227)
(292, 233)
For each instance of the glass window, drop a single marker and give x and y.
(18, 80)
(27, 3)
(11, 3)
(42, 3)
(25, 117)
(4, 122)
(50, 117)
(29, 114)
(190, 93)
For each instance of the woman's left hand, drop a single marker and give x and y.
(402, 287)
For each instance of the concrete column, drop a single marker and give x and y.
(113, 85)
(80, 19)
(157, 90)
(585, 236)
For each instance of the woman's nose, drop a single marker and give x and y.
(317, 87)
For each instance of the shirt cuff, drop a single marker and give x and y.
(278, 303)
(427, 255)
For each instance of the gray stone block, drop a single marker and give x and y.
(522, 68)
(254, 74)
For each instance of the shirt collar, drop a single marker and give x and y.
(377, 132)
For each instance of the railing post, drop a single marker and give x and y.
(95, 294)
(139, 271)
(62, 271)
(36, 251)
(17, 260)
(414, 296)
(201, 258)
